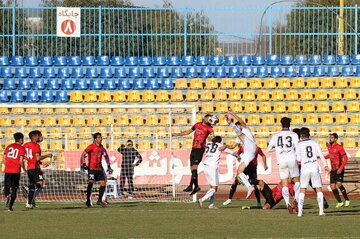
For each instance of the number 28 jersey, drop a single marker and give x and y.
(212, 154)
(13, 154)
(285, 143)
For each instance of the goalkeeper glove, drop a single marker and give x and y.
(109, 170)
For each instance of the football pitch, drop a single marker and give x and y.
(177, 220)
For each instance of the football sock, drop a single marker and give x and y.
(208, 195)
(301, 203)
(104, 196)
(37, 192)
(343, 191)
(212, 199)
(297, 190)
(286, 195)
(267, 193)
(31, 193)
(101, 193)
(254, 181)
(233, 189)
(13, 197)
(320, 199)
(245, 180)
(194, 178)
(89, 191)
(257, 195)
(336, 194)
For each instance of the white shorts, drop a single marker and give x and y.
(288, 168)
(315, 178)
(248, 155)
(212, 175)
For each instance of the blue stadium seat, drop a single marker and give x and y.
(273, 60)
(47, 96)
(290, 71)
(329, 60)
(4, 61)
(287, 60)
(49, 72)
(275, 71)
(152, 84)
(103, 61)
(31, 61)
(3, 96)
(173, 61)
(145, 61)
(74, 61)
(117, 61)
(95, 84)
(347, 71)
(80, 84)
(134, 72)
(248, 71)
(91, 73)
(17, 96)
(301, 60)
(20, 72)
(32, 96)
(9, 84)
(187, 61)
(77, 72)
(67, 84)
(24, 84)
(131, 61)
(60, 61)
(333, 71)
(53, 84)
(258, 60)
(5, 72)
(220, 72)
(315, 60)
(163, 72)
(262, 71)
(343, 60)
(34, 72)
(167, 84)
(46, 61)
(191, 72)
(120, 72)
(230, 61)
(63, 73)
(124, 84)
(357, 71)
(216, 60)
(17, 61)
(105, 73)
(234, 71)
(304, 71)
(61, 96)
(159, 61)
(244, 60)
(88, 61)
(202, 60)
(38, 84)
(355, 59)
(109, 84)
(177, 72)
(148, 72)
(138, 84)
(206, 72)
(319, 71)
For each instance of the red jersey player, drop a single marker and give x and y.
(14, 161)
(34, 157)
(202, 130)
(338, 159)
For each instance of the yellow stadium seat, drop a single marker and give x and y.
(341, 82)
(298, 82)
(129, 132)
(61, 111)
(255, 83)
(181, 120)
(297, 119)
(234, 95)
(349, 143)
(339, 129)
(165, 120)
(248, 95)
(181, 83)
(262, 143)
(117, 132)
(349, 94)
(119, 96)
(222, 120)
(152, 119)
(268, 119)
(326, 119)
(44, 145)
(176, 96)
(308, 106)
(236, 107)
(284, 83)
(105, 96)
(192, 95)
(20, 121)
(85, 132)
(5, 121)
(338, 106)
(144, 144)
(77, 111)
(18, 111)
(55, 133)
(253, 119)
(137, 120)
(322, 143)
(312, 118)
(323, 107)
(263, 131)
(161, 131)
(292, 95)
(207, 107)
(312, 82)
(76, 96)
(275, 129)
(321, 95)
(56, 145)
(265, 106)
(221, 107)
(226, 83)
(335, 94)
(83, 144)
(322, 131)
(26, 130)
(240, 83)
(210, 83)
(176, 129)
(133, 96)
(79, 121)
(270, 83)
(31, 111)
(35, 121)
(187, 144)
(263, 95)
(250, 107)
(341, 118)
(206, 95)
(327, 82)
(90, 96)
(277, 95)
(90, 111)
(71, 145)
(106, 111)
(10, 131)
(162, 96)
(220, 95)
(46, 111)
(294, 107)
(306, 95)
(352, 130)
(279, 107)
(70, 132)
(148, 96)
(353, 106)
(144, 132)
(107, 120)
(175, 144)
(4, 111)
(355, 119)
(196, 83)
(64, 120)
(355, 82)
(279, 116)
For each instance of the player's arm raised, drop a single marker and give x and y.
(242, 122)
(183, 133)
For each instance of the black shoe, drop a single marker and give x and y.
(88, 204)
(197, 189)
(326, 205)
(188, 189)
(25, 191)
(8, 199)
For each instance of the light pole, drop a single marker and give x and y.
(341, 27)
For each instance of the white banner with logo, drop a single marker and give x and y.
(68, 20)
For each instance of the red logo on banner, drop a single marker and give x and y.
(68, 27)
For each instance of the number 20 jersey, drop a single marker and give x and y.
(13, 154)
(212, 157)
(285, 143)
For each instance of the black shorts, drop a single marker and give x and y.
(97, 175)
(35, 175)
(12, 180)
(334, 177)
(196, 156)
(251, 172)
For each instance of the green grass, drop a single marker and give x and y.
(176, 220)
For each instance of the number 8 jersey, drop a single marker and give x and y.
(212, 157)
(307, 153)
(285, 143)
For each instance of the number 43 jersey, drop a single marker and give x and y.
(285, 143)
(212, 153)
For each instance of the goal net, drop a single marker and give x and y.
(67, 130)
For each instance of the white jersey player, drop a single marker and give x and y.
(307, 153)
(285, 143)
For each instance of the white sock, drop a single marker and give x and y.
(104, 196)
(245, 180)
(286, 195)
(297, 190)
(301, 203)
(208, 195)
(236, 129)
(320, 199)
